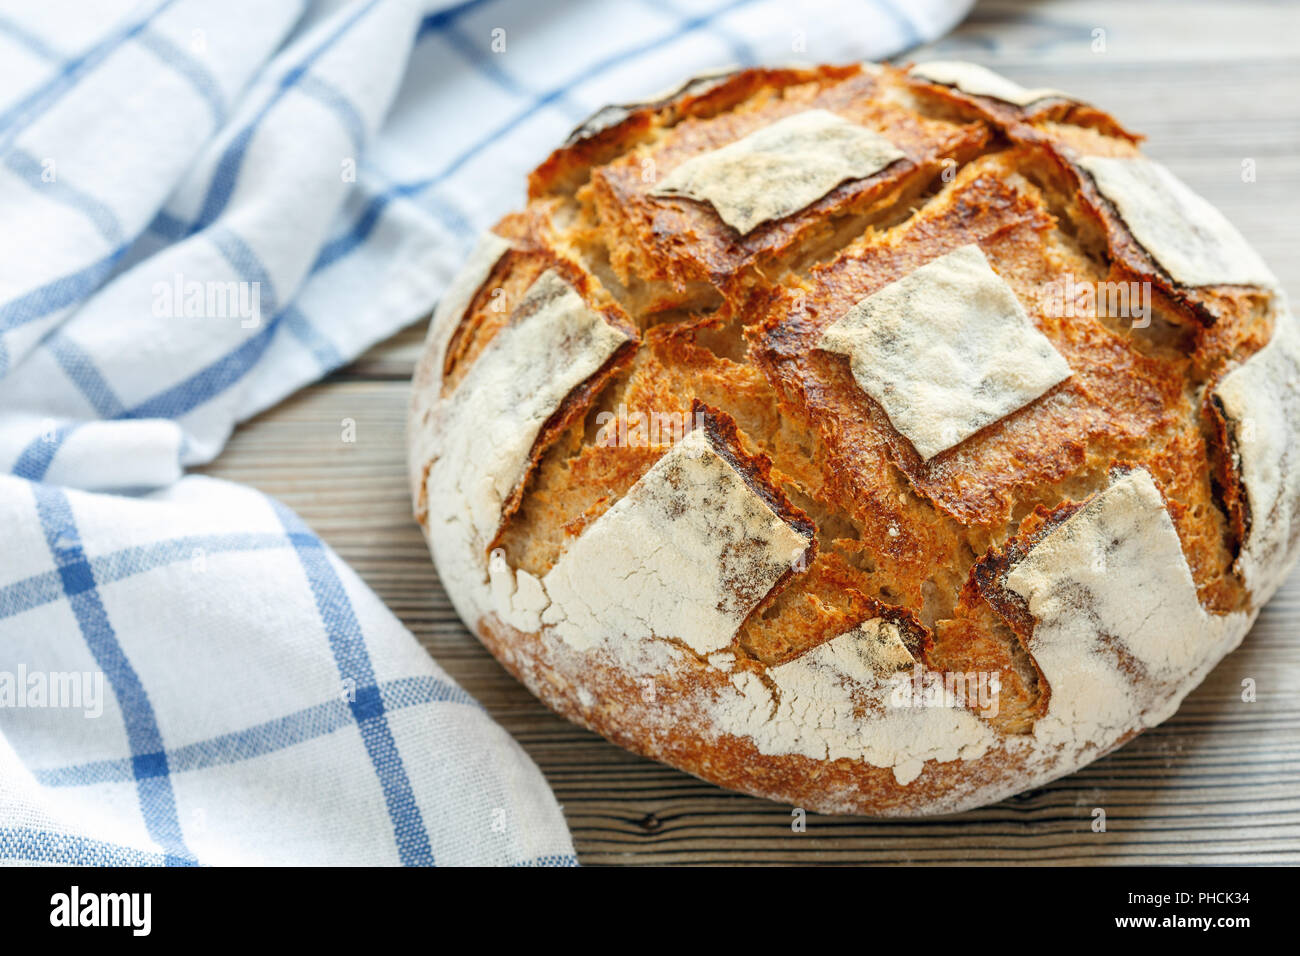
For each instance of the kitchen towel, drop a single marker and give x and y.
(203, 207)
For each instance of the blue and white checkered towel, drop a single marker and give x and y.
(203, 206)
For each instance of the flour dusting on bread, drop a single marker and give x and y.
(487, 428)
(1192, 241)
(464, 287)
(780, 168)
(946, 350)
(879, 467)
(835, 703)
(980, 81)
(687, 553)
(1117, 623)
(1261, 400)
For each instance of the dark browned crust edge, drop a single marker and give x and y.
(579, 400)
(582, 151)
(1050, 109)
(1231, 487)
(1131, 257)
(756, 469)
(501, 268)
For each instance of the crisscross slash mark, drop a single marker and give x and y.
(348, 646)
(148, 757)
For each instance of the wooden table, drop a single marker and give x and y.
(1212, 85)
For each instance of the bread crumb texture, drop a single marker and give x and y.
(880, 440)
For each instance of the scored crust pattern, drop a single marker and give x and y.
(659, 489)
(946, 350)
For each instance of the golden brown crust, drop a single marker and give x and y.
(680, 241)
(723, 334)
(1051, 111)
(599, 142)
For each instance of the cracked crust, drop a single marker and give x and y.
(682, 522)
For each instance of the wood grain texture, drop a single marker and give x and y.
(1211, 85)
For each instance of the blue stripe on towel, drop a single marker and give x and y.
(34, 845)
(226, 175)
(349, 649)
(44, 588)
(82, 372)
(32, 171)
(268, 737)
(34, 44)
(21, 115)
(149, 761)
(189, 67)
(66, 290)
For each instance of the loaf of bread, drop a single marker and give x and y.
(879, 440)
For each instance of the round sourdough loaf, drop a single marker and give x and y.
(875, 439)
